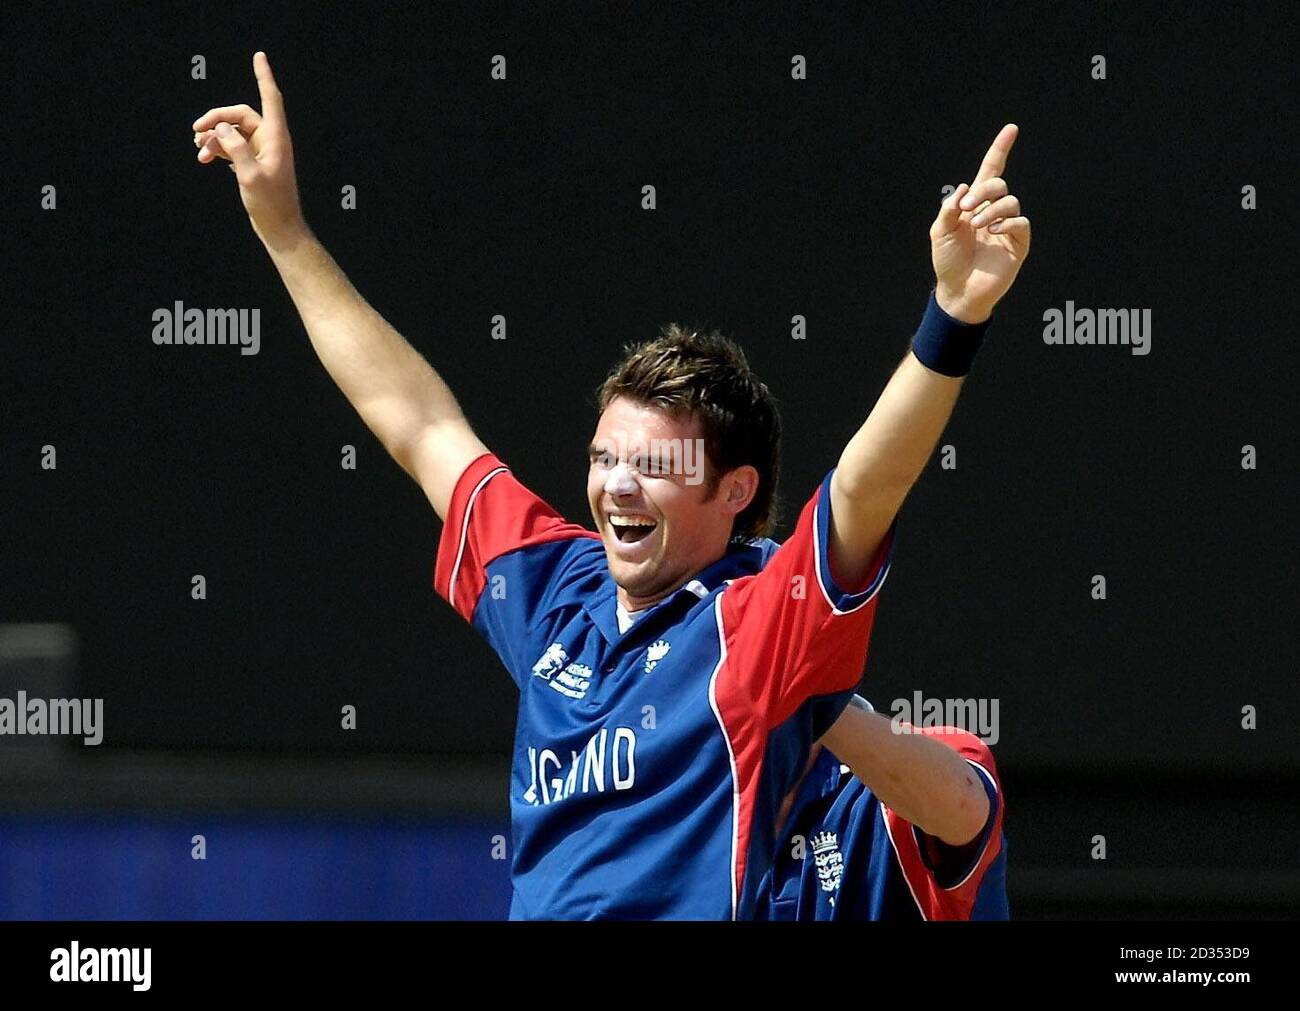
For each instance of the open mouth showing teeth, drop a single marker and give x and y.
(630, 529)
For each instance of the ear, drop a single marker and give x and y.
(739, 488)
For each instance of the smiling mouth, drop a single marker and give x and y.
(630, 529)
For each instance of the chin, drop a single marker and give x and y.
(639, 579)
(632, 578)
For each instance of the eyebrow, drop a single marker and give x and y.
(654, 460)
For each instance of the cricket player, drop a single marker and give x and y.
(674, 665)
(891, 822)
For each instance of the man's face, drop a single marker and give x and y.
(652, 498)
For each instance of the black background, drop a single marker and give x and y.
(775, 198)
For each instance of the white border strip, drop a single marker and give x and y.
(464, 531)
(992, 816)
(899, 860)
(817, 562)
(902, 870)
(731, 755)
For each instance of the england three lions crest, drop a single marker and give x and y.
(829, 862)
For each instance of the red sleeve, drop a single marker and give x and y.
(491, 514)
(954, 901)
(792, 631)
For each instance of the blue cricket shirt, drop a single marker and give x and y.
(648, 767)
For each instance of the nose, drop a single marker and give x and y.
(621, 481)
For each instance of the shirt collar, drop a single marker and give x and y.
(740, 559)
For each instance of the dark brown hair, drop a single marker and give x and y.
(705, 374)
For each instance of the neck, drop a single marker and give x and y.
(633, 602)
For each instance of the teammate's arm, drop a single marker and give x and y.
(922, 780)
(976, 255)
(397, 393)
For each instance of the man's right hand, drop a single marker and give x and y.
(261, 154)
(393, 388)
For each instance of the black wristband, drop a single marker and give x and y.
(946, 345)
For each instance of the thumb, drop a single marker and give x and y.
(949, 213)
(233, 143)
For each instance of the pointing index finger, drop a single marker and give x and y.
(272, 103)
(995, 161)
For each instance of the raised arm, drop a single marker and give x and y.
(920, 779)
(977, 249)
(397, 393)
